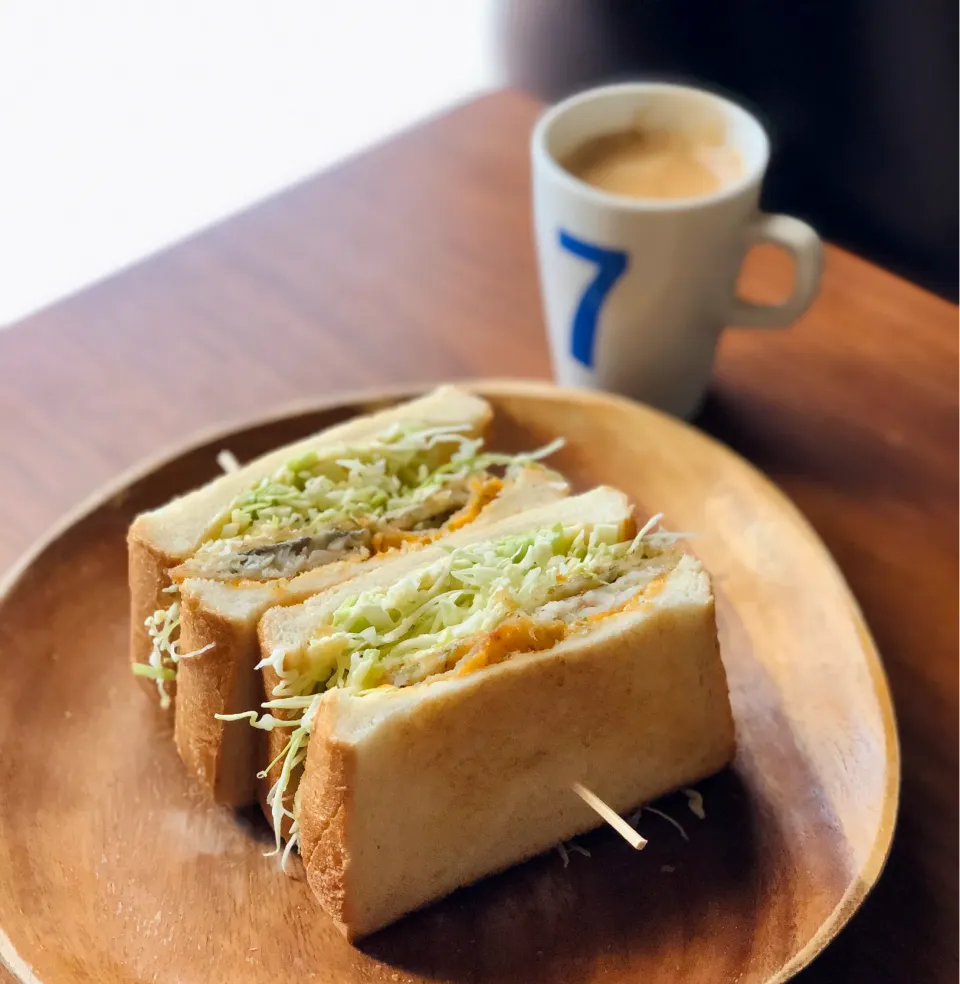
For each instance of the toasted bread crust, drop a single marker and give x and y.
(147, 575)
(218, 681)
(325, 815)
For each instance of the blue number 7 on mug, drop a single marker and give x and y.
(610, 266)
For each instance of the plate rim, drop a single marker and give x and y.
(865, 879)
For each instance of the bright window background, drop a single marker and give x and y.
(126, 125)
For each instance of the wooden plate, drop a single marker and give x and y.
(113, 869)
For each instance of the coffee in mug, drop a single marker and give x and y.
(656, 163)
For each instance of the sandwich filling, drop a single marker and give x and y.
(408, 485)
(478, 605)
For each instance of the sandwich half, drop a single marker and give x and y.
(407, 474)
(441, 707)
(218, 623)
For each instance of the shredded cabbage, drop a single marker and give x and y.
(663, 816)
(163, 628)
(418, 626)
(564, 848)
(695, 803)
(227, 461)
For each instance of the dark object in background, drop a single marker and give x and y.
(859, 96)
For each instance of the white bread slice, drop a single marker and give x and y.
(222, 680)
(165, 537)
(286, 628)
(409, 794)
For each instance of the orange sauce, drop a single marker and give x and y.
(391, 538)
(519, 635)
(636, 602)
(482, 492)
(523, 635)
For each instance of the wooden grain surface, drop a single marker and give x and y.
(415, 262)
(106, 837)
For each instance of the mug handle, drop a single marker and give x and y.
(804, 245)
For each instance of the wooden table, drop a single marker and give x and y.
(415, 262)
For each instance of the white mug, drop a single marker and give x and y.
(636, 291)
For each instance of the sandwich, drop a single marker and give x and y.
(300, 519)
(430, 716)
